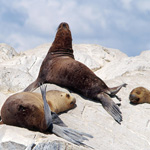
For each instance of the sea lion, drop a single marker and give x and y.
(31, 113)
(59, 67)
(31, 104)
(139, 95)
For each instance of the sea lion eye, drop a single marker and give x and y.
(67, 95)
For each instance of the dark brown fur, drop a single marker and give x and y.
(59, 67)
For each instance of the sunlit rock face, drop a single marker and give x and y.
(19, 69)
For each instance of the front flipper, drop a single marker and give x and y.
(110, 106)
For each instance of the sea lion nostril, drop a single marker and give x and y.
(64, 24)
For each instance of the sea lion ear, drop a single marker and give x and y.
(110, 106)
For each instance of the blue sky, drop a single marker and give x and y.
(120, 24)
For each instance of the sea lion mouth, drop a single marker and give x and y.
(74, 105)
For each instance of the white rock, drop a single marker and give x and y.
(114, 68)
(123, 66)
(95, 56)
(6, 52)
(11, 146)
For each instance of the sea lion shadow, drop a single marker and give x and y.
(133, 104)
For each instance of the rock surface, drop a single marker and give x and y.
(18, 70)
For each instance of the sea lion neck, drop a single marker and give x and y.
(62, 45)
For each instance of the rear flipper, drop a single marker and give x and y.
(56, 126)
(71, 135)
(110, 106)
(57, 120)
(115, 90)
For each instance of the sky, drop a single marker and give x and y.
(118, 24)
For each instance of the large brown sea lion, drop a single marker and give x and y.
(139, 95)
(59, 67)
(28, 111)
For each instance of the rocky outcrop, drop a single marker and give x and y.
(6, 52)
(20, 69)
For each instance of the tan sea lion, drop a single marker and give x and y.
(139, 95)
(59, 67)
(27, 110)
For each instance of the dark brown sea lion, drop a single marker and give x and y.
(28, 111)
(59, 67)
(139, 95)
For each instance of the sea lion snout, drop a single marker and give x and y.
(63, 25)
(73, 102)
(133, 98)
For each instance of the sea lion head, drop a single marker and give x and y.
(60, 101)
(70, 100)
(63, 39)
(66, 102)
(139, 95)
